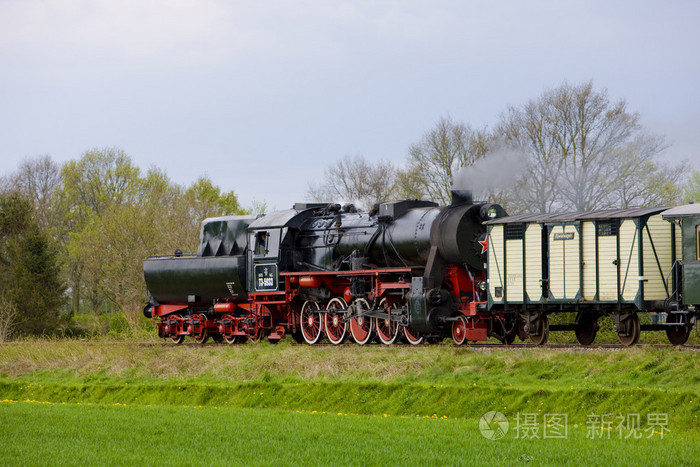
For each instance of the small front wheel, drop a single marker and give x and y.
(459, 330)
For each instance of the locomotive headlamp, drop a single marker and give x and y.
(482, 286)
(491, 211)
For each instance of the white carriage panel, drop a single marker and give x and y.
(629, 260)
(573, 265)
(496, 262)
(607, 267)
(588, 261)
(655, 279)
(533, 262)
(514, 271)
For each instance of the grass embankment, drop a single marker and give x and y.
(119, 402)
(402, 380)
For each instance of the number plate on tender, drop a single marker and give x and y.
(265, 277)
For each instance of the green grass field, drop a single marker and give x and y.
(77, 434)
(260, 404)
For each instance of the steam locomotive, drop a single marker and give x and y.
(415, 271)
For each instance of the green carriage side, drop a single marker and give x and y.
(687, 219)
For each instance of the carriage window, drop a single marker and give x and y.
(697, 242)
(261, 240)
(608, 229)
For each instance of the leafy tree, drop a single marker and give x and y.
(258, 207)
(170, 212)
(207, 199)
(100, 179)
(115, 217)
(638, 180)
(354, 179)
(93, 186)
(104, 217)
(691, 193)
(164, 218)
(30, 277)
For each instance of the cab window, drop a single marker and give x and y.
(261, 243)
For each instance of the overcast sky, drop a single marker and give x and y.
(261, 96)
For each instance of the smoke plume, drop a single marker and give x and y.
(496, 171)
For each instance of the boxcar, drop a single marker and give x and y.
(615, 263)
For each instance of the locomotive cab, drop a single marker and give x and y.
(271, 240)
(263, 259)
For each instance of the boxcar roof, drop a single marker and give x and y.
(630, 213)
(682, 211)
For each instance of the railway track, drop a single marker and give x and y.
(482, 345)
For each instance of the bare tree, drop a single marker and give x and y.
(38, 180)
(576, 139)
(438, 156)
(641, 181)
(354, 179)
(8, 317)
(526, 128)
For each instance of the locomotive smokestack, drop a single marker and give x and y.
(461, 197)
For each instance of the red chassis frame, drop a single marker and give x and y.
(275, 314)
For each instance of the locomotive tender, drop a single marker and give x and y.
(419, 272)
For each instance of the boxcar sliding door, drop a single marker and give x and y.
(564, 261)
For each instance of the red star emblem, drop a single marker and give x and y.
(484, 246)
